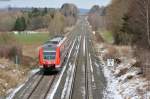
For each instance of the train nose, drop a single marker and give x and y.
(49, 62)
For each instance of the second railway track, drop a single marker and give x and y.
(80, 84)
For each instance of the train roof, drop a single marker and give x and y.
(53, 43)
(55, 40)
(58, 39)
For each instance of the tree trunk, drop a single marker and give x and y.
(147, 22)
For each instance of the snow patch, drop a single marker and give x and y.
(93, 32)
(123, 80)
(15, 91)
(84, 46)
(33, 72)
(70, 76)
(2, 66)
(66, 83)
(91, 63)
(91, 67)
(111, 90)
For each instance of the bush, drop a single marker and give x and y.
(9, 47)
(144, 56)
(57, 25)
(10, 51)
(8, 19)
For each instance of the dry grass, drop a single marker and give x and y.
(30, 55)
(112, 52)
(143, 55)
(9, 47)
(125, 51)
(10, 76)
(31, 50)
(98, 37)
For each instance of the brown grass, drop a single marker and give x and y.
(111, 52)
(143, 55)
(30, 55)
(9, 47)
(98, 37)
(125, 51)
(10, 76)
(31, 50)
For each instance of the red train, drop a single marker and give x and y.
(53, 52)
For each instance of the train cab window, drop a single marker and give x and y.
(49, 55)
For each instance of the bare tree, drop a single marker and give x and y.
(70, 11)
(139, 12)
(147, 20)
(57, 25)
(96, 17)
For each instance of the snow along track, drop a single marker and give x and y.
(70, 74)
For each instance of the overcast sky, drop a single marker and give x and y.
(51, 3)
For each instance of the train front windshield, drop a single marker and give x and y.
(49, 55)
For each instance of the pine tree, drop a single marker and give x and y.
(20, 24)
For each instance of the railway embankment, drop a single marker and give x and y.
(125, 78)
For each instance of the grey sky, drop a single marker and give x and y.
(51, 3)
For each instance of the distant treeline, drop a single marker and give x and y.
(55, 20)
(128, 20)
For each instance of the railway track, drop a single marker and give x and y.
(82, 79)
(42, 88)
(81, 83)
(86, 73)
(37, 88)
(75, 81)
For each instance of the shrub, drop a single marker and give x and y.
(9, 47)
(144, 56)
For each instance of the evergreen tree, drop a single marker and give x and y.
(20, 24)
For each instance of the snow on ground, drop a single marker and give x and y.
(33, 72)
(70, 75)
(124, 80)
(14, 91)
